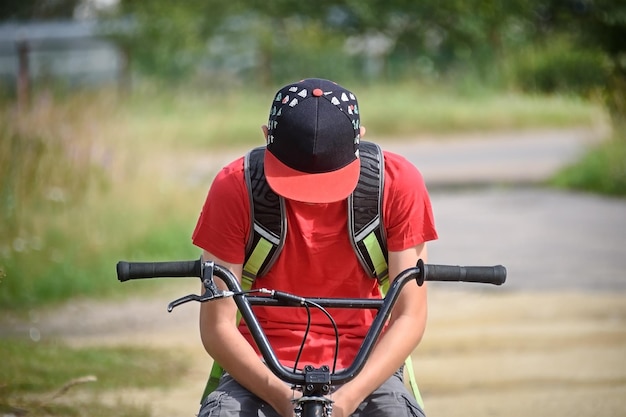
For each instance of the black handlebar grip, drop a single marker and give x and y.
(138, 270)
(483, 274)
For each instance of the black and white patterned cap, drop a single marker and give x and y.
(313, 128)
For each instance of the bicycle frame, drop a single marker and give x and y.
(315, 383)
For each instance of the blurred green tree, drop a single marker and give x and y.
(604, 27)
(447, 33)
(168, 37)
(594, 25)
(271, 41)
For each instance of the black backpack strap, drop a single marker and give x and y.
(268, 219)
(365, 222)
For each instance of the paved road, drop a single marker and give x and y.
(487, 211)
(493, 158)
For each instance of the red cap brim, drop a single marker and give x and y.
(326, 187)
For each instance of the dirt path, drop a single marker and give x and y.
(514, 354)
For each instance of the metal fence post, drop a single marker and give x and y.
(23, 78)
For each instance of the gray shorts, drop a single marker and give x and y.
(392, 399)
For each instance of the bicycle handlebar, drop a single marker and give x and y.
(495, 275)
(205, 271)
(139, 270)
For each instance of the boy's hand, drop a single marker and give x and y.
(343, 403)
(285, 405)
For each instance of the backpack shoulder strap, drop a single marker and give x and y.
(268, 220)
(367, 231)
(365, 222)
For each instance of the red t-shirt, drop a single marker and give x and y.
(317, 260)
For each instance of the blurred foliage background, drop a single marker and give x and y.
(86, 175)
(537, 45)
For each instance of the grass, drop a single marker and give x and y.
(35, 377)
(77, 230)
(78, 258)
(414, 109)
(204, 120)
(602, 170)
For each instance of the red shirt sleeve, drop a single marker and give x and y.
(223, 227)
(407, 211)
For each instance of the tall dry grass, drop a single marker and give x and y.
(47, 158)
(74, 201)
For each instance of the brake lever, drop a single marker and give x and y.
(182, 300)
(211, 292)
(207, 296)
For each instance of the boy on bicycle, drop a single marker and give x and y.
(312, 162)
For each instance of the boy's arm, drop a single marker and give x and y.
(403, 334)
(225, 344)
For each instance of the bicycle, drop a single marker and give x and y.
(315, 384)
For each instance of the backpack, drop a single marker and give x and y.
(269, 228)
